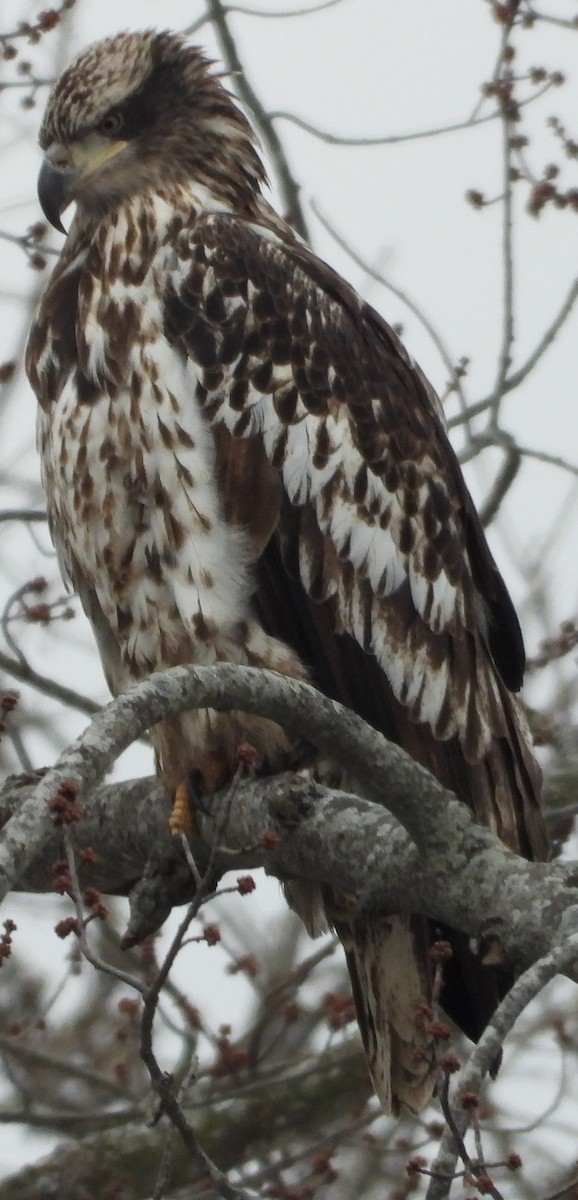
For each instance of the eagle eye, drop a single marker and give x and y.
(111, 124)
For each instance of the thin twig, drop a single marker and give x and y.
(62, 1066)
(456, 1131)
(502, 483)
(552, 460)
(287, 12)
(517, 377)
(470, 1079)
(394, 139)
(395, 291)
(563, 22)
(505, 354)
(49, 687)
(20, 750)
(70, 1122)
(287, 183)
(13, 599)
(163, 1083)
(39, 27)
(206, 18)
(29, 515)
(91, 956)
(391, 139)
(545, 342)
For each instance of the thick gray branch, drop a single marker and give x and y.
(468, 880)
(432, 816)
(121, 823)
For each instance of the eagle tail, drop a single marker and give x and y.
(388, 966)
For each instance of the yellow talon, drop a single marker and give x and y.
(182, 818)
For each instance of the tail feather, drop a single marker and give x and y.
(387, 964)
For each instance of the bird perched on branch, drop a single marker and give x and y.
(243, 464)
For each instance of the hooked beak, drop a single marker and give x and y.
(55, 192)
(68, 170)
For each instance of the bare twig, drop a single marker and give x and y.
(163, 1084)
(87, 950)
(32, 1055)
(34, 30)
(391, 139)
(411, 304)
(503, 75)
(550, 19)
(333, 139)
(150, 994)
(470, 1079)
(288, 185)
(517, 377)
(503, 481)
(13, 599)
(49, 687)
(553, 460)
(70, 1122)
(286, 12)
(29, 515)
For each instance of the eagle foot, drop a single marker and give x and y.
(182, 818)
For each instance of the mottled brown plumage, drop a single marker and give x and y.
(242, 463)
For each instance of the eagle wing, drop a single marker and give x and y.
(373, 534)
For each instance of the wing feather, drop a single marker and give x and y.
(387, 536)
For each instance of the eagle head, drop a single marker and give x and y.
(139, 111)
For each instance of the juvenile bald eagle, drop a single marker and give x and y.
(243, 464)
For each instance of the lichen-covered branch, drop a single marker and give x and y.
(383, 771)
(409, 845)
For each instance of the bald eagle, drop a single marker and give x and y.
(243, 464)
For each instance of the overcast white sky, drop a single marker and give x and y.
(363, 68)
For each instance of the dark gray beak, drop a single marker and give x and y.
(55, 192)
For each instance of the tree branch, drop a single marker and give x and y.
(49, 687)
(427, 857)
(217, 13)
(470, 1079)
(232, 1134)
(299, 706)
